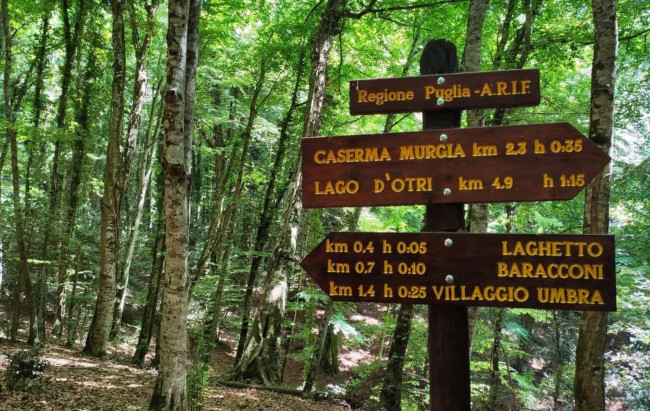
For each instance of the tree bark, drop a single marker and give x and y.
(589, 383)
(470, 62)
(38, 107)
(391, 391)
(494, 379)
(182, 59)
(70, 214)
(135, 119)
(110, 218)
(23, 267)
(72, 326)
(153, 290)
(144, 177)
(72, 38)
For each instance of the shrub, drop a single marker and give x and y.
(25, 371)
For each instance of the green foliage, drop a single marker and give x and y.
(25, 371)
(197, 379)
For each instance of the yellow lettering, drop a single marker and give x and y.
(596, 298)
(486, 90)
(318, 156)
(504, 248)
(362, 96)
(428, 91)
(501, 88)
(598, 249)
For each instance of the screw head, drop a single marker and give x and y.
(446, 191)
(449, 279)
(448, 242)
(440, 101)
(443, 137)
(441, 80)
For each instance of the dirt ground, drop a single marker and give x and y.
(73, 381)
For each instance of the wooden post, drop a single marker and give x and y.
(449, 387)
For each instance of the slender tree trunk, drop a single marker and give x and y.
(3, 157)
(110, 219)
(266, 215)
(494, 379)
(30, 146)
(320, 345)
(144, 177)
(148, 318)
(72, 326)
(72, 36)
(330, 25)
(182, 59)
(76, 166)
(470, 62)
(222, 221)
(559, 361)
(589, 383)
(391, 391)
(25, 277)
(135, 120)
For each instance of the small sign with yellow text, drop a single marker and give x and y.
(489, 89)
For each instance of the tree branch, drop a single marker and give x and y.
(369, 8)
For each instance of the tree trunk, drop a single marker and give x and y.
(30, 146)
(23, 267)
(330, 25)
(149, 153)
(320, 345)
(153, 290)
(221, 222)
(110, 218)
(260, 357)
(494, 379)
(182, 59)
(3, 157)
(391, 391)
(76, 165)
(266, 215)
(559, 361)
(589, 384)
(72, 36)
(470, 62)
(72, 327)
(133, 128)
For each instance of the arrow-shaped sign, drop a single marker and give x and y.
(567, 272)
(473, 165)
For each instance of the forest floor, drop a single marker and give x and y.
(74, 381)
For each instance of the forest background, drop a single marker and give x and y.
(83, 168)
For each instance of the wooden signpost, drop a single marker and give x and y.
(443, 168)
(472, 165)
(489, 89)
(565, 272)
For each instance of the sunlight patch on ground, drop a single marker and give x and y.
(357, 318)
(354, 358)
(66, 362)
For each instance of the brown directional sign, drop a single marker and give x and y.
(568, 272)
(472, 165)
(490, 89)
